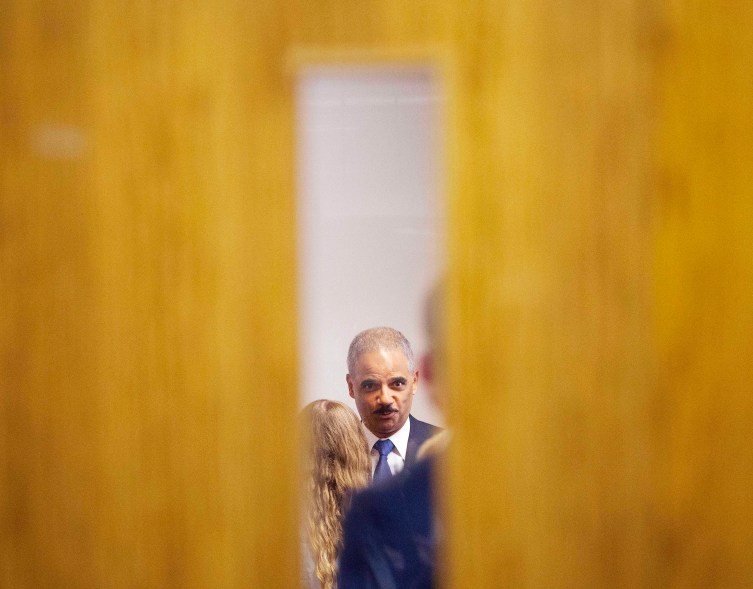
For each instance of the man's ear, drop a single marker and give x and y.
(350, 386)
(415, 382)
(426, 364)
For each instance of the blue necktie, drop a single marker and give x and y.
(382, 471)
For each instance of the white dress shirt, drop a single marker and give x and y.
(396, 458)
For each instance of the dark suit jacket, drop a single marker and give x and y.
(388, 533)
(420, 431)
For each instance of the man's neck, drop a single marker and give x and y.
(399, 438)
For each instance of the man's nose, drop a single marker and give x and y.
(385, 398)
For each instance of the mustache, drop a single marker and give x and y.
(386, 410)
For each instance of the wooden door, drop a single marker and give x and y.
(148, 323)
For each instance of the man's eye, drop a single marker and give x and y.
(368, 386)
(398, 384)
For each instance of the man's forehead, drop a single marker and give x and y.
(378, 359)
(390, 376)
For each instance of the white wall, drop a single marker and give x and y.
(369, 214)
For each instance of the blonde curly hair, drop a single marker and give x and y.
(336, 462)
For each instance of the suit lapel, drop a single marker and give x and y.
(414, 441)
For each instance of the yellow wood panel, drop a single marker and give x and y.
(550, 350)
(45, 289)
(704, 305)
(148, 331)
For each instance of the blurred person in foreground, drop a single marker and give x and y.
(390, 534)
(382, 380)
(336, 463)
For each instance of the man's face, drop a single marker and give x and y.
(383, 388)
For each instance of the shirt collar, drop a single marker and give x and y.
(399, 438)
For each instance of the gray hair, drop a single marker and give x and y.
(379, 338)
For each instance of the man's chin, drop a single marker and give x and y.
(384, 427)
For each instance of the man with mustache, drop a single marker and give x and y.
(392, 531)
(382, 379)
